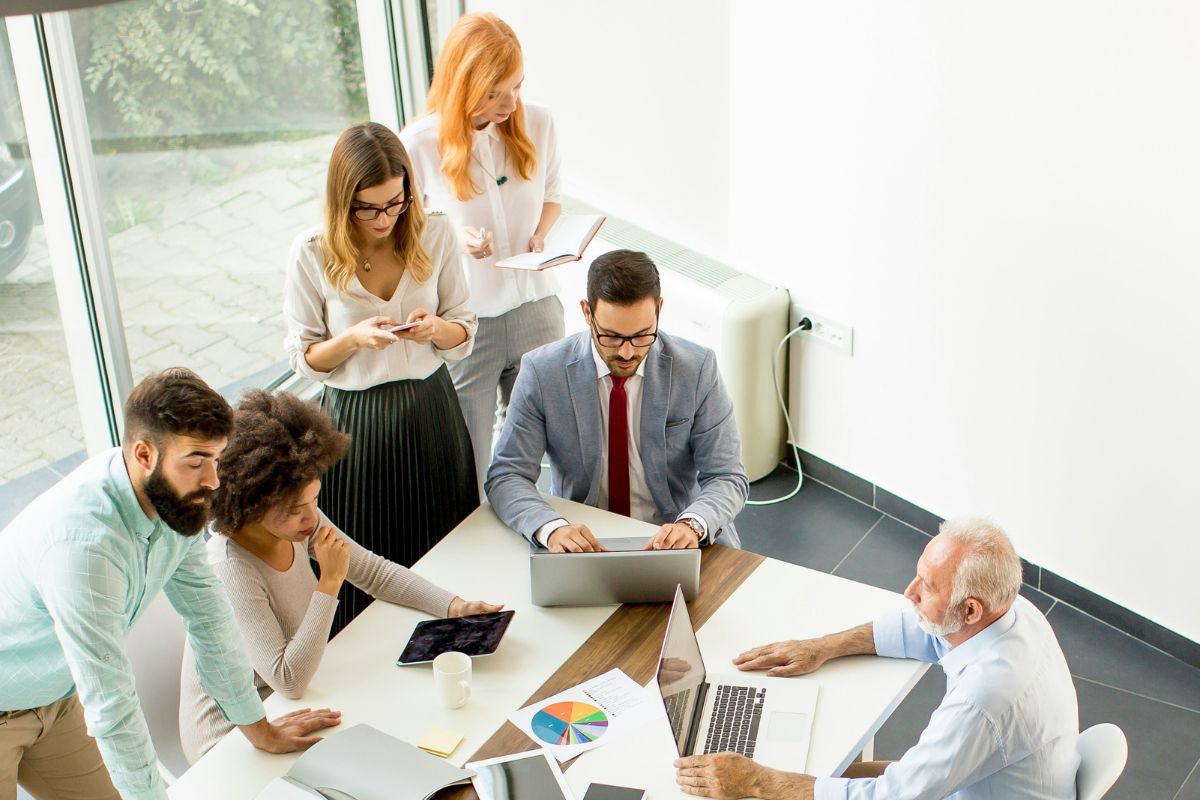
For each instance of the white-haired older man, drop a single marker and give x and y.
(1008, 722)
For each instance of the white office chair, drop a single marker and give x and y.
(1102, 755)
(155, 648)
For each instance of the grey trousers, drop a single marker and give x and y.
(484, 380)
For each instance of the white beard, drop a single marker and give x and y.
(951, 623)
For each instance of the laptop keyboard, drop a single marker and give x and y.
(736, 714)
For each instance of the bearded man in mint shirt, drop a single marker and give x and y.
(78, 567)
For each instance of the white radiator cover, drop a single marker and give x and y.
(741, 318)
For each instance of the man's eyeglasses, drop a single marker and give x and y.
(371, 213)
(614, 341)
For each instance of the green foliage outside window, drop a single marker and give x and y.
(231, 70)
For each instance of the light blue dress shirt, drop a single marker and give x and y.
(1006, 727)
(77, 568)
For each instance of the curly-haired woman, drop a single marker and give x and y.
(268, 527)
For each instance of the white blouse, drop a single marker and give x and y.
(510, 212)
(315, 311)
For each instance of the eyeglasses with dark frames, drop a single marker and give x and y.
(371, 213)
(615, 341)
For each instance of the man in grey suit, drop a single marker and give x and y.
(634, 421)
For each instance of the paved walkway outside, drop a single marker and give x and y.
(200, 285)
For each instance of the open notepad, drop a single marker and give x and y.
(364, 763)
(567, 240)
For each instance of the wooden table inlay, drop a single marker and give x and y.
(630, 639)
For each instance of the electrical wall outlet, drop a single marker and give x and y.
(825, 330)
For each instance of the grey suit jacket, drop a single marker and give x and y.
(689, 445)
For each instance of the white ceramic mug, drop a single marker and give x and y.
(452, 678)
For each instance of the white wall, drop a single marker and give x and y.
(1001, 199)
(640, 95)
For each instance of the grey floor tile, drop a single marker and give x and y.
(838, 478)
(904, 727)
(911, 513)
(1042, 600)
(1164, 740)
(1105, 655)
(814, 529)
(1191, 787)
(887, 557)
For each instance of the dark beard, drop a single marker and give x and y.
(180, 513)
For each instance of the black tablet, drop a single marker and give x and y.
(475, 635)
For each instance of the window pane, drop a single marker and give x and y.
(211, 123)
(40, 433)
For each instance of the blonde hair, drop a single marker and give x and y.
(367, 155)
(480, 52)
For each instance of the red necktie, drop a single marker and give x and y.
(618, 448)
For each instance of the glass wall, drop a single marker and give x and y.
(182, 147)
(40, 431)
(211, 126)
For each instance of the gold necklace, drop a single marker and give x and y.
(366, 266)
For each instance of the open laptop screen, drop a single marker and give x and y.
(680, 671)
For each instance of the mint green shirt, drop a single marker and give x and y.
(77, 568)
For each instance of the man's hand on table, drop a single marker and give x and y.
(674, 536)
(291, 732)
(783, 659)
(573, 539)
(729, 776)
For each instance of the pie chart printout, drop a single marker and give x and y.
(569, 723)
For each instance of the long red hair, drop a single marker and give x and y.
(480, 52)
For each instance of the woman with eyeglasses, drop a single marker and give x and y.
(491, 163)
(376, 307)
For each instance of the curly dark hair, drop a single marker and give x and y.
(280, 443)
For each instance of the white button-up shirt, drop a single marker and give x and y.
(510, 212)
(1007, 726)
(315, 311)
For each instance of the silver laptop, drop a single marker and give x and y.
(625, 573)
(766, 719)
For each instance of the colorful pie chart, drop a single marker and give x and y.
(569, 723)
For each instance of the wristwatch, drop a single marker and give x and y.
(695, 525)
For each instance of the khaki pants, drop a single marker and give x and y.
(48, 751)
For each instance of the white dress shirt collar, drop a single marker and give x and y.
(489, 131)
(965, 654)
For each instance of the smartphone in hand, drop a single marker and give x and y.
(404, 327)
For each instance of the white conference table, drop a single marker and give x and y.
(483, 559)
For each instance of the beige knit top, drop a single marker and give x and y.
(285, 624)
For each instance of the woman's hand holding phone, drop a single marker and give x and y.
(373, 333)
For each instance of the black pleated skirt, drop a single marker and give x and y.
(408, 477)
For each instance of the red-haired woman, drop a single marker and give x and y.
(380, 262)
(491, 163)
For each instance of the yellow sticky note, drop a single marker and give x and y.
(440, 741)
